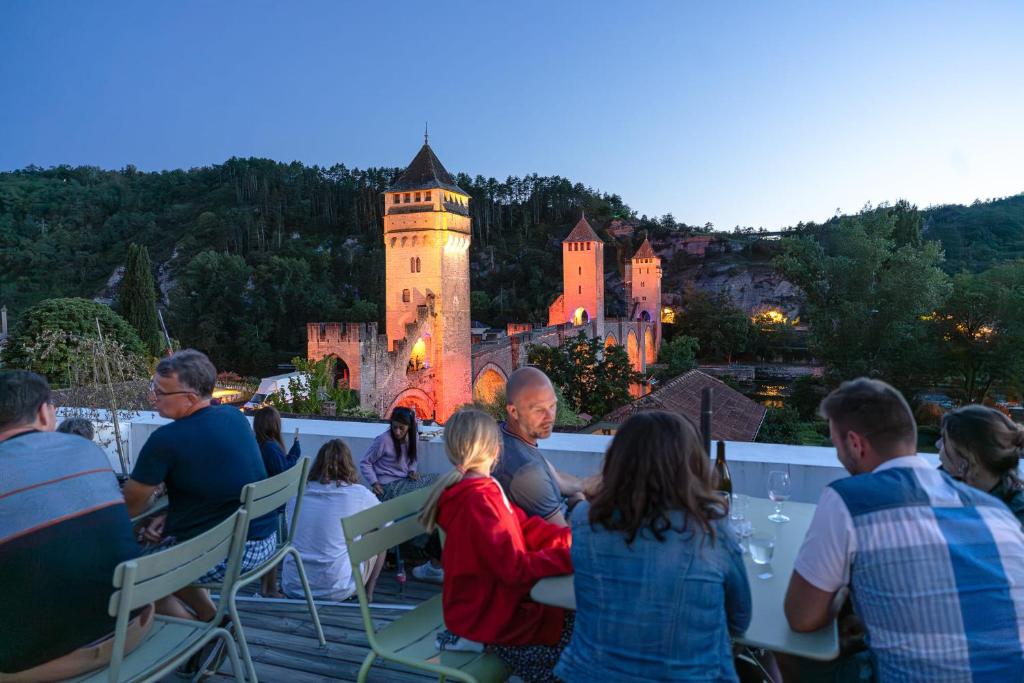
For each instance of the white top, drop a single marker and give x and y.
(321, 541)
(827, 552)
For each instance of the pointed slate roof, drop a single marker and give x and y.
(645, 251)
(424, 173)
(582, 232)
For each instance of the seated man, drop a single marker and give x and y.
(63, 529)
(935, 567)
(204, 457)
(529, 480)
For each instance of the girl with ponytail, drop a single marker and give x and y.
(494, 554)
(981, 446)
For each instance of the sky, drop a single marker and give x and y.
(756, 114)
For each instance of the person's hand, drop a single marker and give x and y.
(296, 434)
(378, 489)
(154, 531)
(414, 475)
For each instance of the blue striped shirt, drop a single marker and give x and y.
(936, 570)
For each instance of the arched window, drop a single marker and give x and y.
(426, 196)
(412, 265)
(417, 264)
(579, 290)
(580, 269)
(405, 296)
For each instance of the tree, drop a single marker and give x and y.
(980, 329)
(866, 296)
(50, 333)
(594, 379)
(136, 298)
(678, 356)
(719, 326)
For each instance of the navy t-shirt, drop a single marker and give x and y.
(205, 459)
(526, 478)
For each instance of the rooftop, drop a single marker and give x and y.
(426, 172)
(582, 233)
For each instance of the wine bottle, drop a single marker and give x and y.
(723, 480)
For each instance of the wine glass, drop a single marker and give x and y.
(778, 490)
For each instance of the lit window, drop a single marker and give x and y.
(588, 246)
(405, 198)
(417, 196)
(426, 197)
(405, 296)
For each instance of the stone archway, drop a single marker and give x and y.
(489, 384)
(341, 377)
(610, 340)
(418, 400)
(580, 316)
(633, 351)
(650, 351)
(645, 316)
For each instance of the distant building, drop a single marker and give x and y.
(735, 417)
(582, 299)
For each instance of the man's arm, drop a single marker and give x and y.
(567, 484)
(807, 608)
(137, 496)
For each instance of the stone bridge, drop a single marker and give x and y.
(494, 361)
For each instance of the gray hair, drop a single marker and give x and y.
(78, 426)
(193, 369)
(21, 394)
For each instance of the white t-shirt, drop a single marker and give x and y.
(827, 552)
(321, 542)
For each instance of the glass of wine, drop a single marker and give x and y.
(779, 488)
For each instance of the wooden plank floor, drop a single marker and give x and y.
(284, 648)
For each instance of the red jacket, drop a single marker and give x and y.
(493, 554)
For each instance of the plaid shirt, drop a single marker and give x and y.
(937, 574)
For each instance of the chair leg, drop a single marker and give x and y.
(243, 647)
(236, 662)
(364, 670)
(309, 597)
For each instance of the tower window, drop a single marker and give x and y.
(405, 198)
(417, 196)
(579, 289)
(643, 284)
(588, 246)
(412, 265)
(644, 298)
(395, 199)
(417, 264)
(406, 296)
(580, 270)
(426, 197)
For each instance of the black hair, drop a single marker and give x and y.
(21, 394)
(407, 417)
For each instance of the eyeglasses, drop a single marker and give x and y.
(160, 393)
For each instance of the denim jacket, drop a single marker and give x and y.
(655, 611)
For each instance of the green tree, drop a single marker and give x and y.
(58, 326)
(720, 327)
(866, 296)
(136, 298)
(678, 356)
(594, 379)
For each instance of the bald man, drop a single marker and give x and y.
(529, 480)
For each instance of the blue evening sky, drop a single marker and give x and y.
(750, 113)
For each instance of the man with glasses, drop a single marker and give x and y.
(63, 529)
(204, 457)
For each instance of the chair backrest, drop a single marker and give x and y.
(262, 497)
(148, 578)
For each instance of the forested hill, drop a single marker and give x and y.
(250, 250)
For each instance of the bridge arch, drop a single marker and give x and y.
(418, 400)
(610, 340)
(489, 382)
(580, 316)
(633, 350)
(650, 351)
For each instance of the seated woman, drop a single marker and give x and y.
(389, 467)
(266, 424)
(660, 581)
(332, 492)
(982, 447)
(494, 555)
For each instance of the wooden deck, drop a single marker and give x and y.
(284, 648)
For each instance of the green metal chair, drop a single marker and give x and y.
(170, 641)
(258, 499)
(410, 639)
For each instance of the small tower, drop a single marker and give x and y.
(426, 244)
(583, 276)
(643, 285)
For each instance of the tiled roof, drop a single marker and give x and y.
(645, 251)
(582, 233)
(735, 417)
(425, 172)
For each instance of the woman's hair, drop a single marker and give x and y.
(267, 426)
(655, 465)
(407, 417)
(471, 438)
(334, 464)
(985, 436)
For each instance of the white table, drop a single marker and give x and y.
(768, 628)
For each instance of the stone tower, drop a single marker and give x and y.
(583, 276)
(426, 245)
(643, 285)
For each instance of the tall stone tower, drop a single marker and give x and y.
(426, 244)
(583, 276)
(643, 285)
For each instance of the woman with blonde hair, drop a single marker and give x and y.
(982, 447)
(494, 554)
